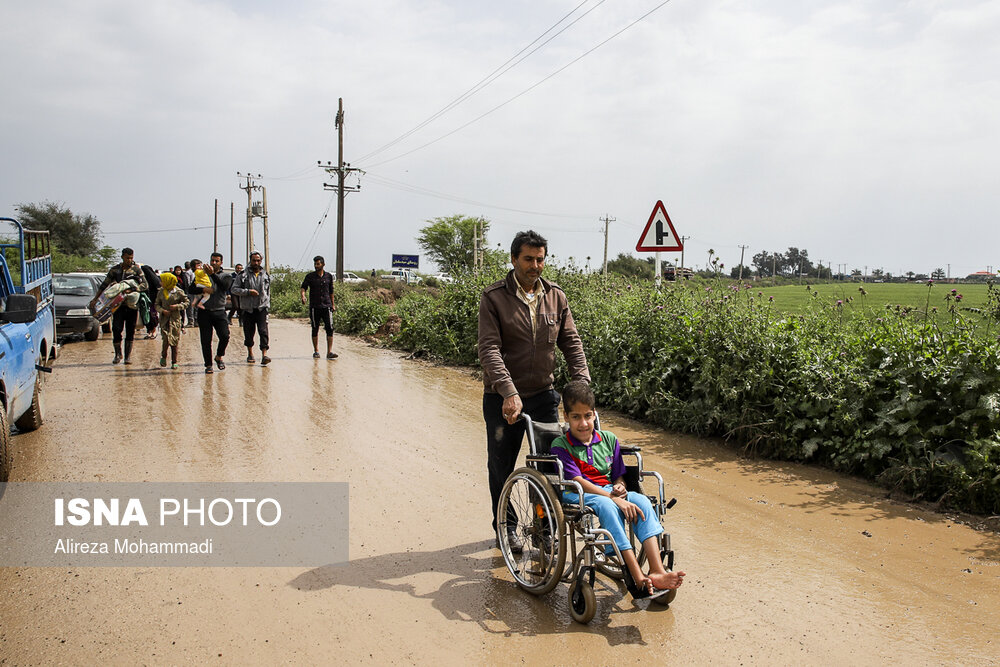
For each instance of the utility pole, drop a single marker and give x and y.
(341, 170)
(232, 214)
(774, 268)
(683, 239)
(475, 246)
(607, 220)
(215, 227)
(743, 249)
(267, 245)
(258, 210)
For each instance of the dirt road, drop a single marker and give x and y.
(786, 564)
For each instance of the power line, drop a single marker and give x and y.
(311, 243)
(489, 78)
(175, 229)
(526, 91)
(414, 189)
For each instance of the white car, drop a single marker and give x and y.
(443, 278)
(352, 278)
(405, 275)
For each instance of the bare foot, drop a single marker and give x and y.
(670, 580)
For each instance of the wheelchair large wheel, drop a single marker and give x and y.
(530, 531)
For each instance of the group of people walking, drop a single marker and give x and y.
(196, 295)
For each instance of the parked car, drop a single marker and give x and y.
(73, 294)
(352, 278)
(443, 278)
(407, 276)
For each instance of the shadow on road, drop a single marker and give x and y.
(473, 594)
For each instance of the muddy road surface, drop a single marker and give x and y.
(786, 564)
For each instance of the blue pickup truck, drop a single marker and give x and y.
(27, 330)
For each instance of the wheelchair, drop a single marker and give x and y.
(545, 539)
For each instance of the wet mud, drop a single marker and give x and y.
(786, 564)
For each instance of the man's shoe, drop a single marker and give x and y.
(220, 363)
(331, 355)
(250, 359)
(515, 542)
(315, 355)
(163, 362)
(265, 360)
(208, 370)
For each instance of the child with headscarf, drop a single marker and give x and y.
(170, 302)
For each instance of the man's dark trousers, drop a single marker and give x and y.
(124, 318)
(207, 321)
(255, 321)
(503, 440)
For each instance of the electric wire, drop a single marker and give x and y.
(311, 243)
(405, 187)
(175, 229)
(488, 79)
(524, 92)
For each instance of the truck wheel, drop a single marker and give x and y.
(94, 333)
(34, 417)
(6, 458)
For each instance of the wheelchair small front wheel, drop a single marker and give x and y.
(530, 529)
(582, 601)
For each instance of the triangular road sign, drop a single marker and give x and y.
(659, 234)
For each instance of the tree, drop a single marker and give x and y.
(70, 233)
(938, 274)
(450, 241)
(632, 267)
(797, 262)
(767, 263)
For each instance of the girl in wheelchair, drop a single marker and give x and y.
(594, 460)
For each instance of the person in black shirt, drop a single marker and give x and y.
(321, 305)
(213, 317)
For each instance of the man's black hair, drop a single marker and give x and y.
(127, 251)
(529, 238)
(216, 254)
(319, 258)
(578, 391)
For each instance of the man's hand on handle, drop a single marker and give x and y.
(512, 408)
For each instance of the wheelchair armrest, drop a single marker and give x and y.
(547, 464)
(629, 449)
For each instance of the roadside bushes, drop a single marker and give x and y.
(890, 396)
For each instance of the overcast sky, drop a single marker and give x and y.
(865, 132)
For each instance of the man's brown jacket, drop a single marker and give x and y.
(514, 361)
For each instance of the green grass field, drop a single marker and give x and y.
(795, 298)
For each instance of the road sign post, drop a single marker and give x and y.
(659, 236)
